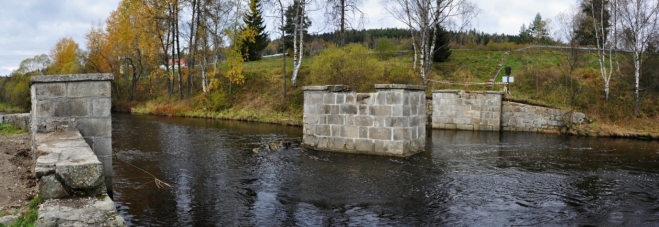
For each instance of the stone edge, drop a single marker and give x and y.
(71, 78)
(400, 86)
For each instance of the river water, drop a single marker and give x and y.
(463, 179)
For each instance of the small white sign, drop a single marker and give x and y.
(507, 79)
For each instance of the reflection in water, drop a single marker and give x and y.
(464, 178)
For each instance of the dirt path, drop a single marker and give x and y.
(17, 181)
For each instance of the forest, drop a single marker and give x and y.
(215, 59)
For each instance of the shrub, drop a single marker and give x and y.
(352, 65)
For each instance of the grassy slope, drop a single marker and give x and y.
(539, 78)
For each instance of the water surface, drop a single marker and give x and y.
(463, 179)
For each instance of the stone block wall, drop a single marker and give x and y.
(456, 109)
(21, 121)
(524, 117)
(80, 102)
(390, 121)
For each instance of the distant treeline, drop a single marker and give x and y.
(369, 36)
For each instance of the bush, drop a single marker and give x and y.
(352, 65)
(385, 49)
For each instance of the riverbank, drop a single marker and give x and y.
(592, 127)
(17, 180)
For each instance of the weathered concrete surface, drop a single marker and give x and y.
(525, 117)
(93, 211)
(457, 109)
(79, 101)
(486, 111)
(21, 121)
(66, 166)
(8, 220)
(389, 122)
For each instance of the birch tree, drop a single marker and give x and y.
(638, 21)
(421, 16)
(605, 40)
(299, 29)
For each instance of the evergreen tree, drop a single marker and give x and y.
(251, 50)
(442, 40)
(289, 26)
(585, 33)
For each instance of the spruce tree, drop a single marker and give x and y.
(289, 26)
(251, 51)
(443, 50)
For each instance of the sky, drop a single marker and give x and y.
(32, 27)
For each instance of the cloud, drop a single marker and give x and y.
(32, 27)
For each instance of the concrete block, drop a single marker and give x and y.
(72, 108)
(101, 107)
(363, 110)
(310, 140)
(80, 170)
(349, 120)
(340, 98)
(322, 119)
(380, 133)
(348, 109)
(43, 109)
(51, 188)
(99, 127)
(350, 144)
(365, 99)
(363, 120)
(335, 119)
(337, 143)
(49, 91)
(400, 110)
(380, 110)
(336, 130)
(329, 98)
(378, 146)
(350, 132)
(402, 133)
(323, 142)
(351, 99)
(397, 122)
(381, 97)
(313, 98)
(323, 130)
(363, 132)
(395, 147)
(394, 98)
(88, 89)
(364, 145)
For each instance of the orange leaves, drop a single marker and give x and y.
(65, 57)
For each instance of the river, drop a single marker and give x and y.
(463, 178)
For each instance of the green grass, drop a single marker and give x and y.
(6, 108)
(28, 216)
(10, 129)
(539, 79)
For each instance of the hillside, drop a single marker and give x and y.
(541, 77)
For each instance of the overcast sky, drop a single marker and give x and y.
(32, 27)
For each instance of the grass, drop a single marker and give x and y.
(6, 108)
(28, 216)
(10, 129)
(539, 79)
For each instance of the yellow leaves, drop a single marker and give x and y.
(65, 57)
(235, 63)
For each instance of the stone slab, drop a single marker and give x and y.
(72, 77)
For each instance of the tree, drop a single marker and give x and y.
(254, 21)
(384, 48)
(422, 16)
(342, 13)
(638, 21)
(66, 57)
(289, 25)
(593, 12)
(35, 65)
(442, 42)
(524, 35)
(300, 22)
(538, 29)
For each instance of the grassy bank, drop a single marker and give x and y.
(541, 77)
(28, 216)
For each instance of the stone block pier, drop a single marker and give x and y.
(389, 122)
(72, 145)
